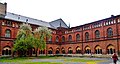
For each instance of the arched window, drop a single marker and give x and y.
(98, 50)
(7, 33)
(63, 39)
(78, 50)
(57, 39)
(69, 38)
(6, 51)
(63, 51)
(109, 32)
(50, 40)
(110, 49)
(86, 36)
(41, 51)
(97, 34)
(57, 51)
(87, 50)
(77, 37)
(50, 51)
(70, 51)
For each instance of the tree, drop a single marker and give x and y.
(40, 35)
(24, 39)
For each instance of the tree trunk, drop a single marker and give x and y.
(36, 51)
(13, 54)
(46, 52)
(30, 52)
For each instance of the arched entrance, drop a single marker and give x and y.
(57, 51)
(87, 50)
(41, 51)
(6, 51)
(98, 50)
(63, 51)
(110, 49)
(70, 51)
(78, 50)
(50, 51)
(33, 51)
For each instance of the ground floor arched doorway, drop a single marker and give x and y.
(87, 50)
(78, 50)
(57, 51)
(63, 51)
(98, 50)
(6, 50)
(70, 51)
(50, 51)
(110, 49)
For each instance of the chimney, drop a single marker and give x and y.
(3, 9)
(112, 15)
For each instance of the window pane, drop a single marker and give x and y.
(7, 34)
(77, 37)
(109, 32)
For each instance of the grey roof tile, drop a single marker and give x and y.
(16, 17)
(58, 23)
(53, 24)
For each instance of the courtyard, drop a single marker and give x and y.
(55, 60)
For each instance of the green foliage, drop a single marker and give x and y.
(24, 38)
(40, 35)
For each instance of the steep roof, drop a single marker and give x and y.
(58, 23)
(53, 24)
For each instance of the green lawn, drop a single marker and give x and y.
(41, 63)
(28, 60)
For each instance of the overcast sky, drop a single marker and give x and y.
(75, 12)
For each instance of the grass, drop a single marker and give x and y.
(28, 60)
(42, 63)
(25, 60)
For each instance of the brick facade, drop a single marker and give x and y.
(107, 40)
(103, 42)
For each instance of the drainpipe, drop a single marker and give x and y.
(117, 37)
(0, 36)
(82, 42)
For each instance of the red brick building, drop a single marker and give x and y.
(98, 37)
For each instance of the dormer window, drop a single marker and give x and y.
(13, 25)
(106, 23)
(3, 23)
(118, 20)
(114, 21)
(8, 23)
(111, 22)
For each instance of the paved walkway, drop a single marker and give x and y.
(118, 62)
(108, 61)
